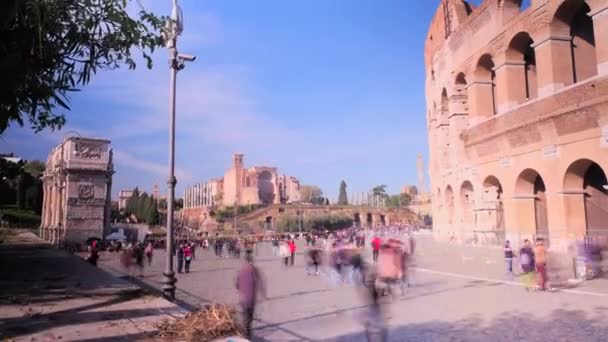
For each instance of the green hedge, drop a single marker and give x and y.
(17, 218)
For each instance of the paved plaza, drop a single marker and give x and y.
(51, 295)
(459, 294)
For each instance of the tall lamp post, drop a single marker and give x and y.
(172, 30)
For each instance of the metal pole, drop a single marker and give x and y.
(169, 279)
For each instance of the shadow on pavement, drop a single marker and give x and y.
(44, 288)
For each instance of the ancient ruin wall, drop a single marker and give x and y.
(517, 102)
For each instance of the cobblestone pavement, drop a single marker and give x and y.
(450, 300)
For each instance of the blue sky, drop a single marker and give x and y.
(324, 90)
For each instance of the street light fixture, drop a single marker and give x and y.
(172, 30)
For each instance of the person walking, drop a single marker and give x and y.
(180, 257)
(284, 252)
(249, 283)
(376, 243)
(540, 256)
(188, 256)
(149, 251)
(508, 259)
(275, 246)
(292, 251)
(526, 261)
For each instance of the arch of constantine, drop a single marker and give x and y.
(517, 114)
(77, 188)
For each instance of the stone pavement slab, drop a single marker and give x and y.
(51, 295)
(438, 307)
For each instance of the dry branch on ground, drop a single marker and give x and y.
(205, 325)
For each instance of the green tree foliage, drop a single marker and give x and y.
(20, 184)
(143, 207)
(380, 191)
(35, 168)
(308, 193)
(51, 48)
(226, 213)
(401, 200)
(152, 214)
(343, 196)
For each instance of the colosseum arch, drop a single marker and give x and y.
(449, 203)
(485, 94)
(467, 204)
(530, 184)
(571, 19)
(588, 177)
(492, 197)
(520, 49)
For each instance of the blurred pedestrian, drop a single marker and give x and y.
(376, 244)
(249, 283)
(508, 259)
(188, 256)
(526, 261)
(292, 251)
(284, 252)
(540, 256)
(149, 251)
(180, 257)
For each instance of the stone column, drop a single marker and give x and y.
(480, 98)
(599, 13)
(573, 211)
(522, 219)
(108, 209)
(553, 63)
(45, 201)
(510, 84)
(187, 201)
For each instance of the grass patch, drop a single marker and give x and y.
(19, 218)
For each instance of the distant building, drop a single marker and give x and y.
(241, 186)
(123, 198)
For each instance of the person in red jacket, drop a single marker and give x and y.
(376, 243)
(292, 250)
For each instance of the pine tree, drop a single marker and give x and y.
(152, 218)
(140, 211)
(132, 202)
(343, 197)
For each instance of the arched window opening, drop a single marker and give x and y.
(492, 198)
(589, 177)
(485, 74)
(467, 202)
(531, 184)
(521, 50)
(572, 19)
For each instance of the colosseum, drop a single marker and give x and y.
(517, 98)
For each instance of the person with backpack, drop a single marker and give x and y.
(188, 256)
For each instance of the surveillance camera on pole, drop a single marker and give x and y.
(186, 57)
